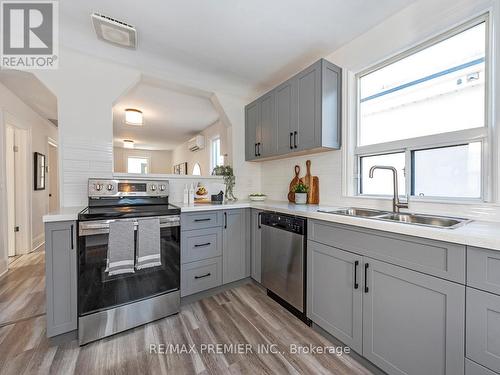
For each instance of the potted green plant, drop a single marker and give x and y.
(226, 171)
(300, 191)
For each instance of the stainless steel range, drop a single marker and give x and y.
(109, 302)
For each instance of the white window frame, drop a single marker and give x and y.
(137, 157)
(483, 135)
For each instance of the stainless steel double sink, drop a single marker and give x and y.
(406, 218)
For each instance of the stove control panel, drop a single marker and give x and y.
(98, 188)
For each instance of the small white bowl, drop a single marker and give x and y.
(257, 198)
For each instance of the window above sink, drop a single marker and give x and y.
(425, 112)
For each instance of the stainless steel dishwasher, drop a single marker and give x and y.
(283, 264)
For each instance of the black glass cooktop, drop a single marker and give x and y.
(121, 212)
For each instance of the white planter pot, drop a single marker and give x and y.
(300, 198)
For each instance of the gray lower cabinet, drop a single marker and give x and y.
(412, 323)
(483, 269)
(61, 277)
(235, 245)
(483, 328)
(473, 368)
(255, 257)
(201, 275)
(335, 299)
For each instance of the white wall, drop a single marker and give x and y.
(15, 112)
(414, 24)
(160, 160)
(86, 88)
(182, 154)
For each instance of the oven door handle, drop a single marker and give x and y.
(89, 228)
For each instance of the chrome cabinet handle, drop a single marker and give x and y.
(203, 244)
(356, 285)
(291, 140)
(202, 276)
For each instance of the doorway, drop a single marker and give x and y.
(53, 177)
(17, 185)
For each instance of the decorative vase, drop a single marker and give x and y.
(300, 198)
(230, 181)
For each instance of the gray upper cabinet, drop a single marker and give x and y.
(252, 130)
(285, 121)
(266, 145)
(334, 298)
(301, 114)
(61, 276)
(412, 323)
(256, 245)
(236, 249)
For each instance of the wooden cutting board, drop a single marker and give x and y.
(295, 181)
(313, 183)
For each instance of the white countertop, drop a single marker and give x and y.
(477, 233)
(63, 214)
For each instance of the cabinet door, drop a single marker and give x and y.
(307, 134)
(483, 328)
(235, 260)
(266, 143)
(256, 245)
(252, 115)
(412, 323)
(61, 273)
(334, 296)
(285, 117)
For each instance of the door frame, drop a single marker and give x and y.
(7, 118)
(52, 143)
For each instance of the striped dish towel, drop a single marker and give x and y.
(148, 244)
(120, 248)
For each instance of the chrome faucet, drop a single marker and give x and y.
(396, 204)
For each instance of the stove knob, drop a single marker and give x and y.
(153, 187)
(162, 187)
(98, 187)
(110, 187)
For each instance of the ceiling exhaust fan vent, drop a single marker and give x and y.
(114, 31)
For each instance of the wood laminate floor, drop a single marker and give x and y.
(243, 315)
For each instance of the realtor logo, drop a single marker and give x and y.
(29, 34)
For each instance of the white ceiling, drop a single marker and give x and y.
(244, 46)
(171, 117)
(32, 92)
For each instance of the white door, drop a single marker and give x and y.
(11, 190)
(53, 179)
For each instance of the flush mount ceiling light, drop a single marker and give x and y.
(133, 117)
(128, 143)
(113, 31)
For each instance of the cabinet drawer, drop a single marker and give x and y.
(442, 259)
(200, 220)
(483, 328)
(201, 244)
(201, 275)
(483, 269)
(472, 368)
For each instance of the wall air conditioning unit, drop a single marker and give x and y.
(196, 143)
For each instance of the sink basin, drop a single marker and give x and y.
(432, 221)
(359, 212)
(406, 218)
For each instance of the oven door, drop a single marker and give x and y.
(98, 291)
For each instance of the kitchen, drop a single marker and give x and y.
(364, 159)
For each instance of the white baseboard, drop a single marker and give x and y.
(38, 241)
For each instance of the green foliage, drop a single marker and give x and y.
(300, 188)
